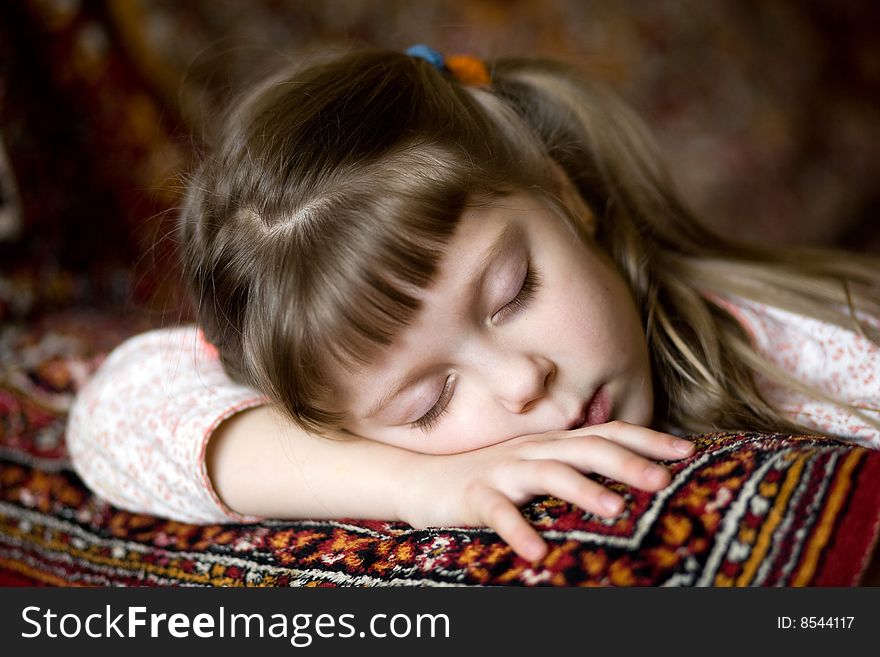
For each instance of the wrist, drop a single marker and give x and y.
(416, 489)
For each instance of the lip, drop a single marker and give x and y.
(596, 411)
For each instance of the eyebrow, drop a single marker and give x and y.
(500, 244)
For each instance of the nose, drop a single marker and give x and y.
(520, 379)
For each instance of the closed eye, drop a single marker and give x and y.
(526, 293)
(429, 420)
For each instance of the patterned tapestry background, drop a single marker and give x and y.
(768, 113)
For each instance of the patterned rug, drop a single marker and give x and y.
(747, 509)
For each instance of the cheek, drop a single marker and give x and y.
(603, 310)
(576, 313)
(467, 430)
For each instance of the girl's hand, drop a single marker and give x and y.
(486, 487)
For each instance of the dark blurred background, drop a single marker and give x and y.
(768, 113)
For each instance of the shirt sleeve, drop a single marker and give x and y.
(838, 361)
(138, 430)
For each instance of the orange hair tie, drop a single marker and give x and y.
(468, 70)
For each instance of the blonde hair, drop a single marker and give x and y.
(331, 193)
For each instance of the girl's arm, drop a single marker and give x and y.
(261, 464)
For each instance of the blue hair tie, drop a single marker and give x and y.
(433, 57)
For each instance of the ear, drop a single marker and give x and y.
(569, 195)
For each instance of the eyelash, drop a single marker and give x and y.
(430, 419)
(526, 292)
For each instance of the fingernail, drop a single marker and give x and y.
(682, 446)
(610, 502)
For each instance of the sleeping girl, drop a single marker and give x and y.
(429, 290)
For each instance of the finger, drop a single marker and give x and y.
(499, 513)
(563, 481)
(645, 441)
(606, 457)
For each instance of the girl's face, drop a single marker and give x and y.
(524, 323)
